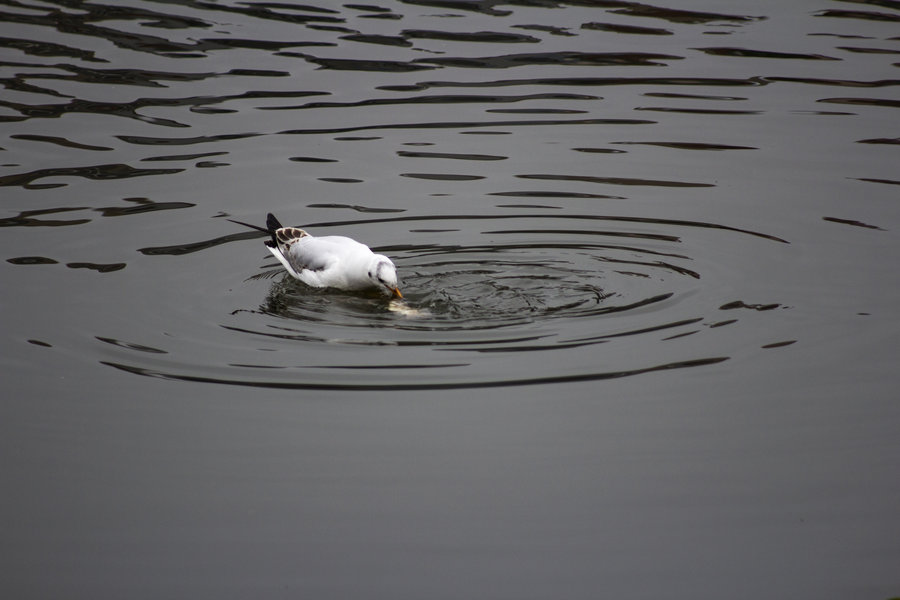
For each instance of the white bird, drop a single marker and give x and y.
(329, 261)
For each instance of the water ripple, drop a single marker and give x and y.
(538, 283)
(543, 258)
(333, 385)
(97, 172)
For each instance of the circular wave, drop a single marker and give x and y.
(543, 290)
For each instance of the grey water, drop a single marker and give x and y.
(651, 331)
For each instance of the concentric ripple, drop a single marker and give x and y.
(536, 283)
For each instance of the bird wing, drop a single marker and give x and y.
(276, 252)
(311, 253)
(302, 255)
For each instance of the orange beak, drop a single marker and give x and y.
(396, 293)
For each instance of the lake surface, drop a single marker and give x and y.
(651, 331)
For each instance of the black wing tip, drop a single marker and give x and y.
(272, 223)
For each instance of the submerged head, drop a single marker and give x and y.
(383, 274)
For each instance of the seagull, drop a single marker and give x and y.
(331, 261)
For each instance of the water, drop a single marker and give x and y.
(649, 256)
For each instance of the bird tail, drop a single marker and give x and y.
(272, 225)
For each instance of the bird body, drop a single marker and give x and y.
(331, 261)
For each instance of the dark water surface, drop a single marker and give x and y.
(651, 337)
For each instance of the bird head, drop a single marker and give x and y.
(383, 274)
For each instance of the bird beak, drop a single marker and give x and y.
(396, 293)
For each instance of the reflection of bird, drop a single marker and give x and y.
(329, 261)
